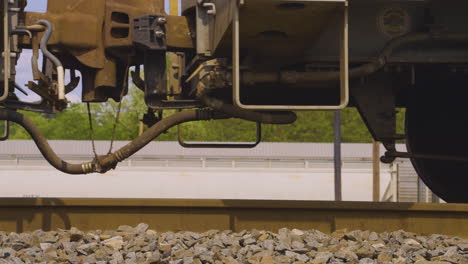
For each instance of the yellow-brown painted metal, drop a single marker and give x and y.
(174, 8)
(89, 28)
(178, 33)
(21, 215)
(99, 35)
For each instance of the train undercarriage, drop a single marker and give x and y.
(257, 60)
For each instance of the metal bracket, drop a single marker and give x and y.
(74, 82)
(6, 131)
(344, 65)
(209, 6)
(220, 145)
(136, 78)
(170, 103)
(203, 21)
(376, 102)
(150, 32)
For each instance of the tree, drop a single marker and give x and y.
(73, 124)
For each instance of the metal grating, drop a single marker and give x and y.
(407, 182)
(410, 187)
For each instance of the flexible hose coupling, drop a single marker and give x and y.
(88, 167)
(103, 164)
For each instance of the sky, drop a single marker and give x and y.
(41, 5)
(23, 69)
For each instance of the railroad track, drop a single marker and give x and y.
(23, 215)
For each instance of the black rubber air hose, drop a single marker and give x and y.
(107, 162)
(43, 145)
(276, 118)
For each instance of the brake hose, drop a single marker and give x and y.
(108, 162)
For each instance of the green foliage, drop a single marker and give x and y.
(312, 126)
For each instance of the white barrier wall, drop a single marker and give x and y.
(313, 183)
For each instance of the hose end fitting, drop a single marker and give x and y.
(103, 164)
(205, 114)
(88, 167)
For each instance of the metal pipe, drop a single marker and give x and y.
(35, 59)
(376, 171)
(293, 77)
(236, 73)
(22, 31)
(36, 28)
(222, 145)
(51, 57)
(337, 155)
(6, 52)
(19, 88)
(278, 118)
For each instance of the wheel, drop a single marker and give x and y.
(436, 124)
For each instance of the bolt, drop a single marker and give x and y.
(162, 20)
(159, 34)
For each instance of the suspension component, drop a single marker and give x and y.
(150, 39)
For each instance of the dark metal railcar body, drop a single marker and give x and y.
(258, 60)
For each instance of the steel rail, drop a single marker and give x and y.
(20, 215)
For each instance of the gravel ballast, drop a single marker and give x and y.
(142, 245)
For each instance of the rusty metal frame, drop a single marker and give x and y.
(344, 65)
(221, 145)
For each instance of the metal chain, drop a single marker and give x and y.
(119, 109)
(90, 118)
(117, 118)
(114, 129)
